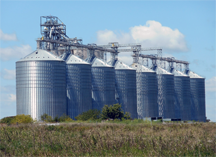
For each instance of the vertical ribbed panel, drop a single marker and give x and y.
(197, 87)
(148, 95)
(167, 95)
(103, 86)
(126, 90)
(182, 98)
(78, 89)
(41, 88)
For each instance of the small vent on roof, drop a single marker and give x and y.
(36, 52)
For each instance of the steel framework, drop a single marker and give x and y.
(54, 38)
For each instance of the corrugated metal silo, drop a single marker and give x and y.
(79, 86)
(147, 92)
(197, 89)
(41, 85)
(125, 78)
(182, 95)
(165, 93)
(103, 84)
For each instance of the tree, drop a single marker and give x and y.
(127, 115)
(7, 120)
(65, 118)
(45, 117)
(22, 119)
(89, 115)
(113, 112)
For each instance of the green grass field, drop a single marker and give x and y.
(128, 138)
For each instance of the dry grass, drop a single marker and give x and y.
(109, 139)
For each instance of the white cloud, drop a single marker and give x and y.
(152, 34)
(15, 52)
(11, 97)
(126, 59)
(103, 37)
(211, 84)
(7, 37)
(7, 99)
(7, 95)
(7, 89)
(8, 74)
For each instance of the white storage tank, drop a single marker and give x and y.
(147, 91)
(41, 85)
(125, 79)
(182, 95)
(103, 84)
(197, 89)
(79, 86)
(165, 93)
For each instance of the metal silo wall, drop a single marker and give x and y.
(41, 88)
(148, 97)
(126, 90)
(197, 87)
(182, 97)
(103, 87)
(79, 94)
(166, 83)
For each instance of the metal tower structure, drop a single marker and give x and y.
(137, 58)
(54, 36)
(157, 61)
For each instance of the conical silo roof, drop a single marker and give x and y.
(119, 65)
(178, 73)
(160, 70)
(143, 68)
(193, 74)
(99, 63)
(122, 66)
(40, 55)
(72, 59)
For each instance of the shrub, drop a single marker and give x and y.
(127, 115)
(7, 120)
(114, 112)
(64, 118)
(22, 119)
(46, 118)
(89, 115)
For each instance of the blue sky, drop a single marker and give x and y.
(184, 29)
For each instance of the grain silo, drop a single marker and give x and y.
(125, 79)
(103, 84)
(165, 80)
(147, 92)
(182, 95)
(197, 89)
(79, 86)
(41, 85)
